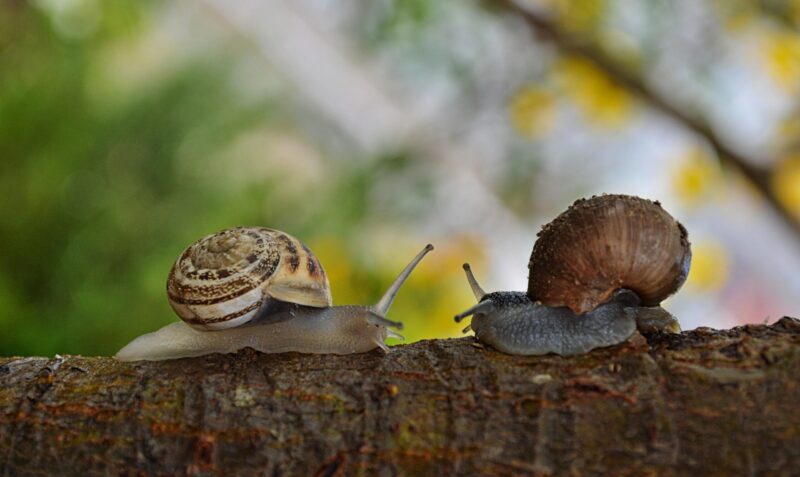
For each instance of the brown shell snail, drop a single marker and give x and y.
(597, 273)
(262, 288)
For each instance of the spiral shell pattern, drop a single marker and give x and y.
(223, 279)
(605, 243)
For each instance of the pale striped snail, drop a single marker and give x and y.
(597, 272)
(262, 288)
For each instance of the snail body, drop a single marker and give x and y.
(261, 288)
(330, 330)
(597, 273)
(517, 325)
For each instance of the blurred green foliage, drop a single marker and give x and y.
(94, 203)
(108, 172)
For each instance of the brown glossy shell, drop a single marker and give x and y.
(604, 243)
(222, 280)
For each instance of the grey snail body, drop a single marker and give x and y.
(261, 288)
(597, 274)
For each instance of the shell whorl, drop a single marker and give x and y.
(605, 243)
(223, 279)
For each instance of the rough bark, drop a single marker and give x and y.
(701, 403)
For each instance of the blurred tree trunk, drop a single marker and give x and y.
(701, 403)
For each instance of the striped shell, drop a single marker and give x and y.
(605, 243)
(223, 279)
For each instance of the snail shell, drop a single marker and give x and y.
(605, 243)
(222, 280)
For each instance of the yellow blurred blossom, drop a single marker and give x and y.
(710, 266)
(430, 298)
(532, 110)
(623, 47)
(788, 132)
(604, 102)
(782, 50)
(739, 21)
(736, 16)
(438, 290)
(335, 259)
(581, 15)
(786, 182)
(696, 176)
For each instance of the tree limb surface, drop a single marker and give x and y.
(705, 402)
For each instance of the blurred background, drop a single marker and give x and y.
(367, 128)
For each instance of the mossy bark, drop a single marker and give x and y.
(701, 403)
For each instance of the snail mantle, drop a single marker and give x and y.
(704, 402)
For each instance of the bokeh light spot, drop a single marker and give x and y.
(604, 103)
(710, 266)
(695, 177)
(532, 110)
(786, 182)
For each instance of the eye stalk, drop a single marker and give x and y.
(379, 320)
(473, 283)
(484, 307)
(382, 307)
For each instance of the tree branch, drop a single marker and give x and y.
(636, 85)
(701, 403)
